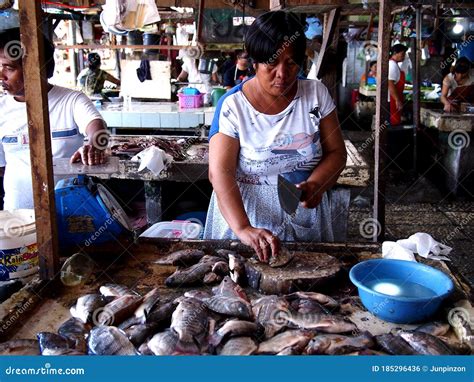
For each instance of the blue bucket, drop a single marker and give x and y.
(393, 305)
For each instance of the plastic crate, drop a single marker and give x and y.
(187, 101)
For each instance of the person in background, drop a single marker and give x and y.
(269, 125)
(239, 72)
(91, 79)
(460, 77)
(72, 117)
(370, 77)
(396, 83)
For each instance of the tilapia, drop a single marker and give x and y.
(326, 323)
(221, 268)
(89, 304)
(108, 340)
(161, 314)
(190, 276)
(234, 328)
(338, 344)
(211, 278)
(20, 347)
(309, 307)
(426, 344)
(324, 300)
(225, 254)
(137, 334)
(283, 258)
(239, 346)
(144, 349)
(230, 306)
(70, 352)
(115, 290)
(296, 339)
(118, 310)
(197, 294)
(289, 351)
(435, 328)
(149, 301)
(185, 257)
(271, 312)
(131, 321)
(190, 320)
(237, 269)
(229, 288)
(168, 343)
(75, 331)
(394, 344)
(52, 343)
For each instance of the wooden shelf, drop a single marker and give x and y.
(136, 47)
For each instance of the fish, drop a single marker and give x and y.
(228, 288)
(333, 344)
(425, 344)
(137, 334)
(393, 344)
(230, 306)
(289, 351)
(70, 352)
(52, 343)
(237, 269)
(271, 312)
(88, 304)
(190, 320)
(211, 278)
(108, 340)
(149, 301)
(221, 268)
(309, 307)
(144, 349)
(130, 322)
(185, 258)
(322, 299)
(190, 276)
(161, 314)
(435, 328)
(118, 310)
(163, 343)
(297, 339)
(197, 294)
(239, 346)
(115, 290)
(20, 347)
(75, 331)
(284, 258)
(226, 253)
(234, 328)
(326, 323)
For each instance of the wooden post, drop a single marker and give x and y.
(381, 119)
(416, 85)
(36, 90)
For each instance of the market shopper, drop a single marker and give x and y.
(239, 72)
(273, 124)
(91, 80)
(461, 77)
(72, 116)
(396, 83)
(369, 78)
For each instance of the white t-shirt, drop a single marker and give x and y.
(286, 143)
(393, 73)
(69, 114)
(452, 84)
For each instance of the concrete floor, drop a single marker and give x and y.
(415, 204)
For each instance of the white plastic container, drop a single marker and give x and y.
(18, 248)
(175, 229)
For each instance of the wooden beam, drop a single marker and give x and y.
(36, 91)
(382, 116)
(329, 31)
(416, 84)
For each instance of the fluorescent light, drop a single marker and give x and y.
(458, 28)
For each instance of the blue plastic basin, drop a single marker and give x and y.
(396, 308)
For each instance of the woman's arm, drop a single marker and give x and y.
(223, 156)
(444, 96)
(183, 76)
(326, 173)
(93, 150)
(109, 77)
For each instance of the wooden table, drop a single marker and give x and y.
(195, 168)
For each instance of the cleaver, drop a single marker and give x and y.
(288, 195)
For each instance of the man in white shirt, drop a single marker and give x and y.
(396, 83)
(72, 117)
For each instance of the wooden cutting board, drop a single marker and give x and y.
(307, 271)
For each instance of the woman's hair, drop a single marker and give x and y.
(11, 45)
(271, 32)
(463, 65)
(397, 48)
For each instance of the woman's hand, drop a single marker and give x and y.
(263, 242)
(312, 193)
(449, 107)
(89, 155)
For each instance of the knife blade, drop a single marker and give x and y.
(288, 195)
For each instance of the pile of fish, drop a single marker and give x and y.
(223, 320)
